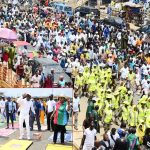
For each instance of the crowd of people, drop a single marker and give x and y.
(29, 109)
(74, 42)
(116, 139)
(108, 65)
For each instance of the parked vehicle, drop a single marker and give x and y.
(115, 21)
(62, 7)
(145, 29)
(84, 10)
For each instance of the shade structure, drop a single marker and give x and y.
(8, 34)
(21, 43)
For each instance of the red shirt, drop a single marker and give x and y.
(5, 57)
(20, 70)
(48, 83)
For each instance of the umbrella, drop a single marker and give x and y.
(21, 43)
(8, 34)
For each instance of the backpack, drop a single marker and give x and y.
(103, 144)
(132, 144)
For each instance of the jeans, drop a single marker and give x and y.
(32, 119)
(10, 115)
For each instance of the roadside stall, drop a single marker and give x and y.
(133, 13)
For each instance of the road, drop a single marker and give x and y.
(37, 144)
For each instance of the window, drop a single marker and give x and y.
(67, 9)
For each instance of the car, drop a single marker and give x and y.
(52, 4)
(84, 10)
(62, 7)
(145, 29)
(114, 21)
(47, 64)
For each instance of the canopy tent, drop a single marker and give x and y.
(8, 34)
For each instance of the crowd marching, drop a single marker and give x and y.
(56, 112)
(110, 66)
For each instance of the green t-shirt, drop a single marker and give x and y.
(133, 142)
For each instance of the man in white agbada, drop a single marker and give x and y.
(25, 104)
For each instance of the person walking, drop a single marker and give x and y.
(2, 108)
(133, 140)
(121, 143)
(89, 137)
(61, 117)
(37, 107)
(76, 104)
(50, 106)
(25, 104)
(105, 143)
(10, 109)
(113, 136)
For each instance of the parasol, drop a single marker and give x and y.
(21, 43)
(8, 34)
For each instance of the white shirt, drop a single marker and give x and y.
(124, 72)
(51, 105)
(143, 83)
(90, 137)
(76, 104)
(36, 81)
(115, 137)
(25, 106)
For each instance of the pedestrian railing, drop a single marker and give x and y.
(8, 78)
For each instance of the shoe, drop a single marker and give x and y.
(76, 128)
(20, 138)
(13, 128)
(7, 128)
(62, 143)
(28, 138)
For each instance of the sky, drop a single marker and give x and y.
(15, 92)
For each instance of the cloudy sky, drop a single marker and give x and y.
(36, 91)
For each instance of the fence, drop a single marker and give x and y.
(8, 78)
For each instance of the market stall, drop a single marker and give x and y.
(133, 13)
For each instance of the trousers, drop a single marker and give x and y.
(2, 116)
(75, 119)
(10, 115)
(62, 130)
(32, 119)
(23, 118)
(50, 124)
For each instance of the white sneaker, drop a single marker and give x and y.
(28, 138)
(20, 138)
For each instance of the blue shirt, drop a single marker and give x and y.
(37, 107)
(11, 107)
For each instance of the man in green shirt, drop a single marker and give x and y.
(133, 140)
